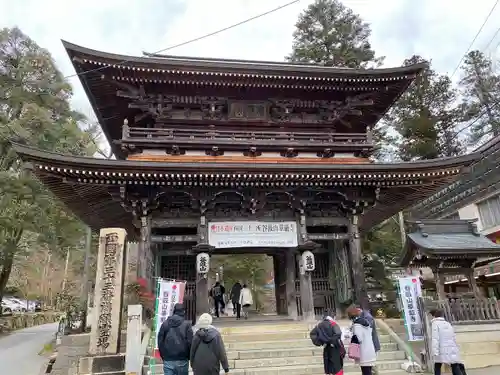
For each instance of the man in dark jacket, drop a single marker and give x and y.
(235, 299)
(207, 351)
(174, 342)
(217, 293)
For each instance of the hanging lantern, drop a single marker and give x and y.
(308, 261)
(202, 263)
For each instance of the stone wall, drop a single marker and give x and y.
(20, 321)
(479, 344)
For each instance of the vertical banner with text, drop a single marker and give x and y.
(410, 290)
(170, 292)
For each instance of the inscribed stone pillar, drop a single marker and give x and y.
(108, 295)
(306, 292)
(291, 299)
(357, 268)
(133, 354)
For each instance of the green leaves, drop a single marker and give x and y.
(480, 85)
(426, 117)
(34, 110)
(331, 34)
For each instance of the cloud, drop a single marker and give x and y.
(439, 30)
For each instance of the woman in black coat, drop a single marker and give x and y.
(329, 335)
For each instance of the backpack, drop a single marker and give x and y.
(176, 341)
(217, 291)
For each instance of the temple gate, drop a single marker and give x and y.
(278, 153)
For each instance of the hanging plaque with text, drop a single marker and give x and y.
(227, 234)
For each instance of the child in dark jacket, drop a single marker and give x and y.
(329, 335)
(207, 350)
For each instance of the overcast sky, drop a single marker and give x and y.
(440, 30)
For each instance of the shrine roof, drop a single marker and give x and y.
(447, 240)
(268, 69)
(103, 74)
(84, 183)
(481, 179)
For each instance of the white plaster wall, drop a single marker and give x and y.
(479, 344)
(470, 212)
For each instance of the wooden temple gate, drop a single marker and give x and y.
(203, 141)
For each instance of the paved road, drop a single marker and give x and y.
(493, 370)
(19, 350)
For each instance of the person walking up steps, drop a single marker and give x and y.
(362, 332)
(217, 293)
(329, 335)
(235, 299)
(246, 300)
(444, 345)
(174, 342)
(207, 351)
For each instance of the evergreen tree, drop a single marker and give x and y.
(480, 86)
(34, 110)
(426, 117)
(331, 34)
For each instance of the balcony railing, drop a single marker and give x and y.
(237, 137)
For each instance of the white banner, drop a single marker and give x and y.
(169, 293)
(227, 234)
(410, 290)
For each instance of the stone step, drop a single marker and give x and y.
(268, 327)
(250, 336)
(301, 352)
(299, 361)
(290, 344)
(384, 368)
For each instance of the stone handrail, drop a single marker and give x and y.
(144, 343)
(410, 354)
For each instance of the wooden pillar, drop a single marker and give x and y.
(291, 300)
(145, 251)
(108, 296)
(439, 279)
(357, 268)
(472, 283)
(277, 282)
(306, 292)
(201, 293)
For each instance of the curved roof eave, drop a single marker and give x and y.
(241, 65)
(33, 154)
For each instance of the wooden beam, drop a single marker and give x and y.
(174, 239)
(326, 221)
(175, 223)
(328, 236)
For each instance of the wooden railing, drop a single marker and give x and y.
(468, 310)
(160, 135)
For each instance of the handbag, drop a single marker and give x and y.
(354, 351)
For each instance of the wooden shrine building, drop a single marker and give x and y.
(230, 156)
(447, 247)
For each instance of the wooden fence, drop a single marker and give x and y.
(467, 310)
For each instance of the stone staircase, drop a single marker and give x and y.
(283, 347)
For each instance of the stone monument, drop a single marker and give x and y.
(108, 295)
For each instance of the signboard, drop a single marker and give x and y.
(410, 290)
(227, 234)
(169, 293)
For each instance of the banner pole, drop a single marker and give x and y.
(152, 337)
